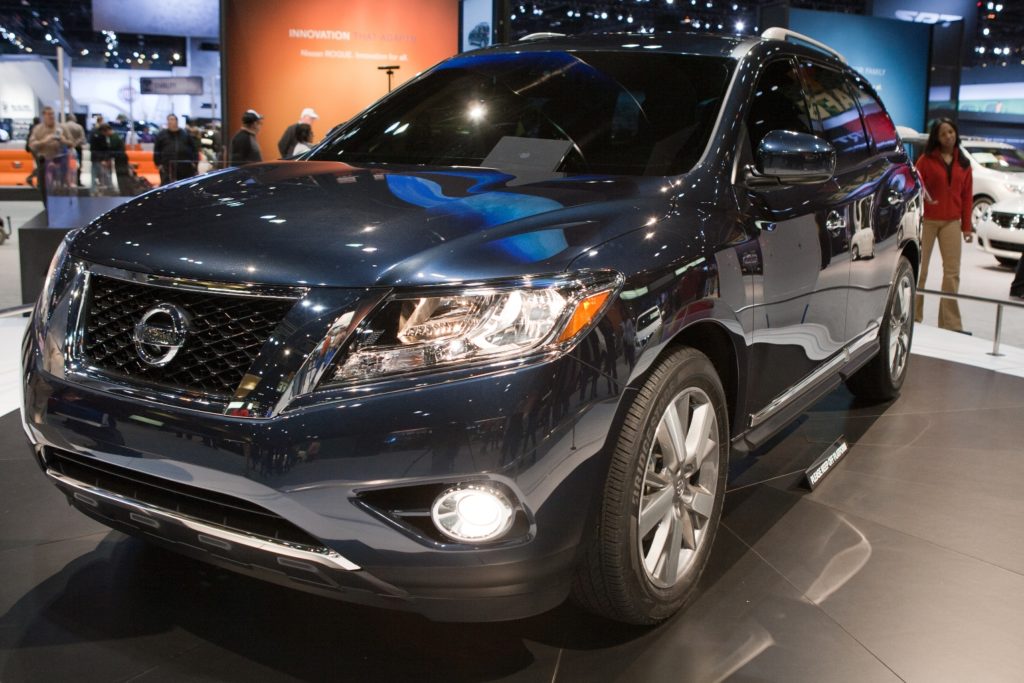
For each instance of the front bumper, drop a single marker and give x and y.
(532, 430)
(1000, 241)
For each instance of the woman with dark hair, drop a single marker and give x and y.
(948, 186)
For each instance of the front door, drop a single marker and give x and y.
(801, 290)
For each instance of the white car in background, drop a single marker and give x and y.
(1001, 231)
(997, 167)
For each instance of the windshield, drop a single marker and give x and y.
(1006, 159)
(626, 113)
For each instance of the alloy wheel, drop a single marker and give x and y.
(679, 487)
(977, 212)
(900, 320)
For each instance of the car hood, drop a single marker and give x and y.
(332, 224)
(1014, 205)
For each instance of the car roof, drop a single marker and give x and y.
(911, 135)
(983, 142)
(680, 42)
(672, 42)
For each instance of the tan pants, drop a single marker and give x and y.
(948, 234)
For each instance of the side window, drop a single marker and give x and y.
(835, 115)
(878, 123)
(778, 103)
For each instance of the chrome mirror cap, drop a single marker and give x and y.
(790, 157)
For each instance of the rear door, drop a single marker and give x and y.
(892, 179)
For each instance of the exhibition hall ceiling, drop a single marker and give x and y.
(38, 26)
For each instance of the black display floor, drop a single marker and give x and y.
(907, 562)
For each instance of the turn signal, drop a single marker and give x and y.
(586, 311)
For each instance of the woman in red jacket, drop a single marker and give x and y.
(946, 173)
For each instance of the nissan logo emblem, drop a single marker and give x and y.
(161, 333)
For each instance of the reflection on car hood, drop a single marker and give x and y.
(334, 224)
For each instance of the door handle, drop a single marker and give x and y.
(835, 222)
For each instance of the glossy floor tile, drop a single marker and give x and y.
(905, 563)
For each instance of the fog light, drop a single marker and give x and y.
(472, 513)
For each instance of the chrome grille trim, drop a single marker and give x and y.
(208, 287)
(207, 394)
(1010, 221)
(223, 539)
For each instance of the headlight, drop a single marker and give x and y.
(420, 332)
(55, 276)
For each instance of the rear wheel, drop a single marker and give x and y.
(1008, 262)
(663, 496)
(883, 376)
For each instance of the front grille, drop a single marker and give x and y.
(217, 509)
(1007, 220)
(1006, 246)
(226, 336)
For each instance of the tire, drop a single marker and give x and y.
(883, 376)
(1008, 262)
(981, 203)
(625, 573)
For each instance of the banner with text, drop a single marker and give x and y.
(327, 57)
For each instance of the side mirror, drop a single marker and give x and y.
(787, 157)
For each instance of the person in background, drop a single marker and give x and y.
(286, 145)
(118, 158)
(175, 152)
(100, 158)
(1017, 286)
(46, 143)
(303, 139)
(948, 184)
(245, 149)
(75, 135)
(31, 178)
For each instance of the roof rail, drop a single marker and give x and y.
(540, 36)
(778, 33)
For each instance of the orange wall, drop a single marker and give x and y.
(273, 67)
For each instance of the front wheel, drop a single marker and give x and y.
(882, 378)
(663, 496)
(978, 209)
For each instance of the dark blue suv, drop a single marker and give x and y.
(492, 343)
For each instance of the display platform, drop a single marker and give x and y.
(904, 563)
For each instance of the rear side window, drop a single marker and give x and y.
(878, 123)
(834, 114)
(778, 103)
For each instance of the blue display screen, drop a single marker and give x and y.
(891, 54)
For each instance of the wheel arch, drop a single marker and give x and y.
(714, 341)
(913, 253)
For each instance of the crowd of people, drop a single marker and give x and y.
(178, 151)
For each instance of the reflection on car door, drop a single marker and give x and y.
(889, 171)
(860, 178)
(801, 289)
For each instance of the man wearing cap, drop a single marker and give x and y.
(245, 149)
(286, 144)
